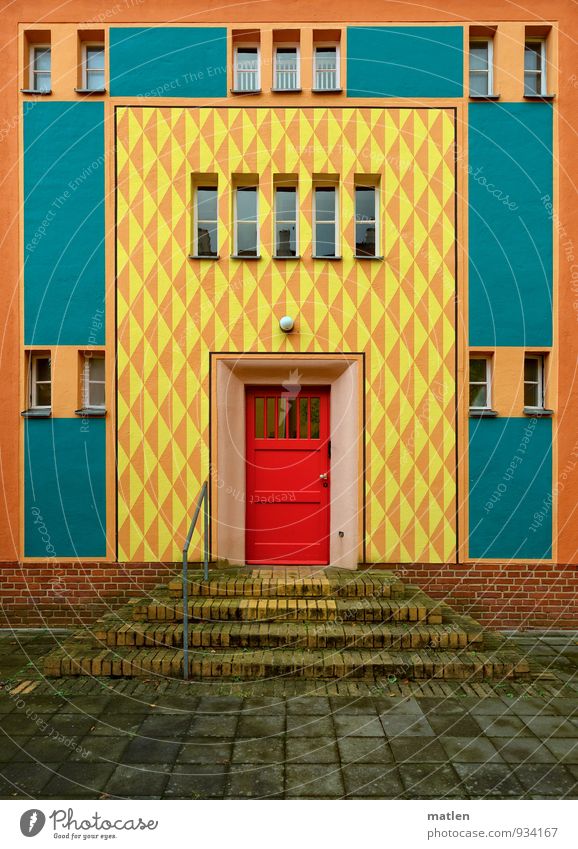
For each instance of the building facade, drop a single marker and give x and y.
(328, 267)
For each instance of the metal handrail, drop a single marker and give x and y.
(203, 499)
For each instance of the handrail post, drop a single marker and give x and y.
(185, 616)
(206, 535)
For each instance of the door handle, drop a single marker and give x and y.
(323, 477)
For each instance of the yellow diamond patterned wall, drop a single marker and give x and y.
(172, 311)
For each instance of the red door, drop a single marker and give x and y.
(287, 475)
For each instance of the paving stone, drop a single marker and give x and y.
(546, 727)
(476, 750)
(489, 706)
(362, 706)
(264, 705)
(130, 781)
(259, 751)
(402, 705)
(358, 726)
(219, 705)
(45, 750)
(41, 704)
(532, 706)
(17, 722)
(28, 778)
(213, 726)
(454, 726)
(546, 779)
(261, 726)
(371, 750)
(95, 748)
(430, 780)
(165, 727)
(109, 726)
(417, 749)
(370, 780)
(255, 781)
(78, 780)
(85, 705)
(127, 704)
(565, 749)
(206, 750)
(406, 725)
(309, 705)
(491, 781)
(310, 726)
(564, 706)
(312, 750)
(71, 725)
(14, 748)
(142, 750)
(307, 781)
(7, 705)
(522, 750)
(196, 781)
(503, 726)
(442, 707)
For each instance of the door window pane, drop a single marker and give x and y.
(292, 418)
(282, 422)
(259, 418)
(271, 407)
(303, 410)
(315, 418)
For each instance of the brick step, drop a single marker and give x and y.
(114, 632)
(77, 659)
(418, 608)
(331, 582)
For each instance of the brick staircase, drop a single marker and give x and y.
(263, 623)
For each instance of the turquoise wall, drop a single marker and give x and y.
(65, 498)
(510, 232)
(64, 223)
(510, 488)
(405, 61)
(168, 62)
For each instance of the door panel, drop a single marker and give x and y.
(288, 482)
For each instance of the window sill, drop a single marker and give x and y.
(484, 96)
(204, 256)
(36, 91)
(252, 91)
(482, 414)
(37, 413)
(326, 91)
(538, 412)
(237, 256)
(364, 256)
(286, 90)
(539, 96)
(90, 90)
(91, 412)
(286, 257)
(328, 258)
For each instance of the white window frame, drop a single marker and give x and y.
(543, 66)
(32, 65)
(337, 253)
(85, 45)
(34, 357)
(297, 49)
(276, 221)
(236, 221)
(539, 383)
(487, 382)
(324, 45)
(87, 381)
(236, 88)
(490, 73)
(196, 219)
(377, 203)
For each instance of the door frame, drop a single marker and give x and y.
(229, 374)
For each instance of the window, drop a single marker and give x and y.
(534, 381)
(206, 221)
(93, 381)
(326, 69)
(40, 381)
(366, 223)
(93, 67)
(480, 387)
(246, 222)
(481, 67)
(535, 67)
(325, 221)
(287, 417)
(285, 221)
(40, 77)
(287, 69)
(247, 72)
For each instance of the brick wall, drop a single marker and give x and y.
(503, 595)
(500, 596)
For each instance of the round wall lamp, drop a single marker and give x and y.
(286, 324)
